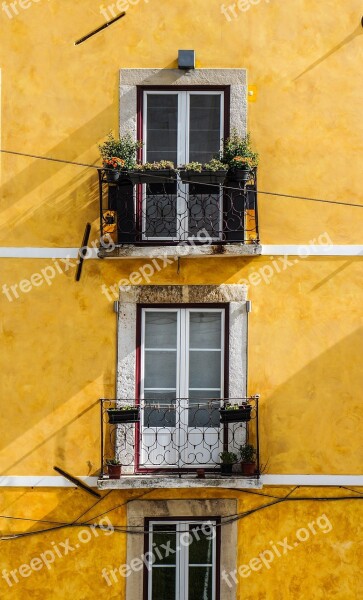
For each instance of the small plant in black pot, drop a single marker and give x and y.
(248, 459)
(113, 468)
(123, 414)
(236, 413)
(228, 459)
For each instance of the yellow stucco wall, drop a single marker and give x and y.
(58, 340)
(324, 564)
(60, 100)
(59, 358)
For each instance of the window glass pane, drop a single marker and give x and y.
(164, 583)
(205, 132)
(201, 548)
(162, 124)
(161, 329)
(200, 583)
(160, 369)
(164, 538)
(204, 369)
(160, 409)
(205, 330)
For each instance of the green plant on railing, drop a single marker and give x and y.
(113, 461)
(237, 149)
(213, 165)
(193, 166)
(248, 453)
(228, 458)
(125, 149)
(160, 165)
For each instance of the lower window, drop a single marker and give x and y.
(182, 560)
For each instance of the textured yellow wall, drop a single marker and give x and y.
(61, 100)
(304, 360)
(326, 565)
(58, 341)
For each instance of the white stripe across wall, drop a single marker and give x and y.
(301, 250)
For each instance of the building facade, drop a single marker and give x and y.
(137, 313)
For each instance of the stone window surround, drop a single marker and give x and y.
(138, 510)
(236, 79)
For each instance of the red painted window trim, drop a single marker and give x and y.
(224, 306)
(140, 117)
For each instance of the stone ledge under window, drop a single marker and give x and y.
(186, 481)
(181, 251)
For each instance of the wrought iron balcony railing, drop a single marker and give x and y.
(177, 436)
(177, 212)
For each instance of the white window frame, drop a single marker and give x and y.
(183, 138)
(182, 558)
(183, 403)
(183, 347)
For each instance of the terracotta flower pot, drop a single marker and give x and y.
(114, 471)
(248, 468)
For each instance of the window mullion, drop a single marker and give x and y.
(183, 129)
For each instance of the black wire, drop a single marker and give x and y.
(139, 530)
(70, 162)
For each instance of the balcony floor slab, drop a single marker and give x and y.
(181, 251)
(185, 481)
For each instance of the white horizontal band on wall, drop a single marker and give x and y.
(21, 252)
(46, 481)
(308, 480)
(309, 250)
(301, 250)
(313, 480)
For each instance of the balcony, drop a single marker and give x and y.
(178, 444)
(178, 218)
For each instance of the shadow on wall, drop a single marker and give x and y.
(311, 423)
(70, 148)
(358, 31)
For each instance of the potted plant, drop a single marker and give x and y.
(123, 414)
(239, 156)
(236, 413)
(113, 168)
(113, 468)
(214, 172)
(118, 156)
(228, 460)
(162, 171)
(248, 459)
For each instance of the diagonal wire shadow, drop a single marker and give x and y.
(349, 38)
(331, 275)
(83, 412)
